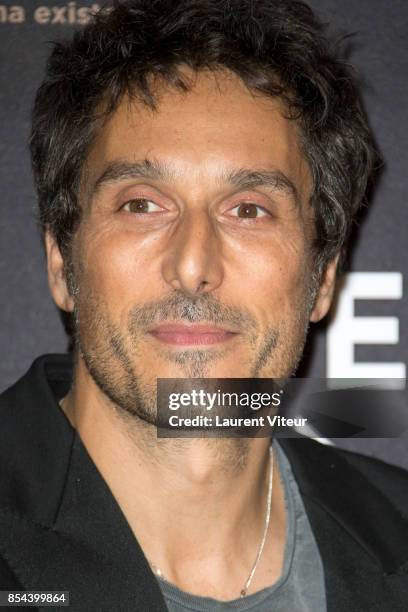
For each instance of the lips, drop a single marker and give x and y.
(191, 334)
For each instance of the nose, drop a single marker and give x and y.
(192, 262)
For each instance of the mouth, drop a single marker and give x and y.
(191, 334)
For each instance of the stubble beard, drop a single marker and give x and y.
(111, 359)
(114, 359)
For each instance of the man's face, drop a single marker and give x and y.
(193, 256)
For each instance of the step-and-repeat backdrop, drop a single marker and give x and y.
(367, 336)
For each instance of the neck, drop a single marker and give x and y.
(196, 506)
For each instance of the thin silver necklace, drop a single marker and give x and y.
(248, 581)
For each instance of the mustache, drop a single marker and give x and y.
(193, 309)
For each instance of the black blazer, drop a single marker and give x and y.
(61, 529)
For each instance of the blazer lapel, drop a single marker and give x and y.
(89, 550)
(61, 527)
(361, 535)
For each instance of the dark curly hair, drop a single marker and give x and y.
(277, 47)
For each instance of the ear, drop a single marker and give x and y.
(56, 277)
(325, 293)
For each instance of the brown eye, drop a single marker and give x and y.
(141, 205)
(249, 211)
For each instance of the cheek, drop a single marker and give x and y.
(117, 267)
(275, 278)
(287, 303)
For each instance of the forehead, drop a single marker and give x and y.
(216, 126)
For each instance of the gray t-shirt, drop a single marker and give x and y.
(301, 585)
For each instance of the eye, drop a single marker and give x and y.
(248, 210)
(141, 205)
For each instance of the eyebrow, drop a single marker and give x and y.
(152, 169)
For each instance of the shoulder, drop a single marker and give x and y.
(359, 459)
(389, 479)
(35, 440)
(350, 471)
(385, 475)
